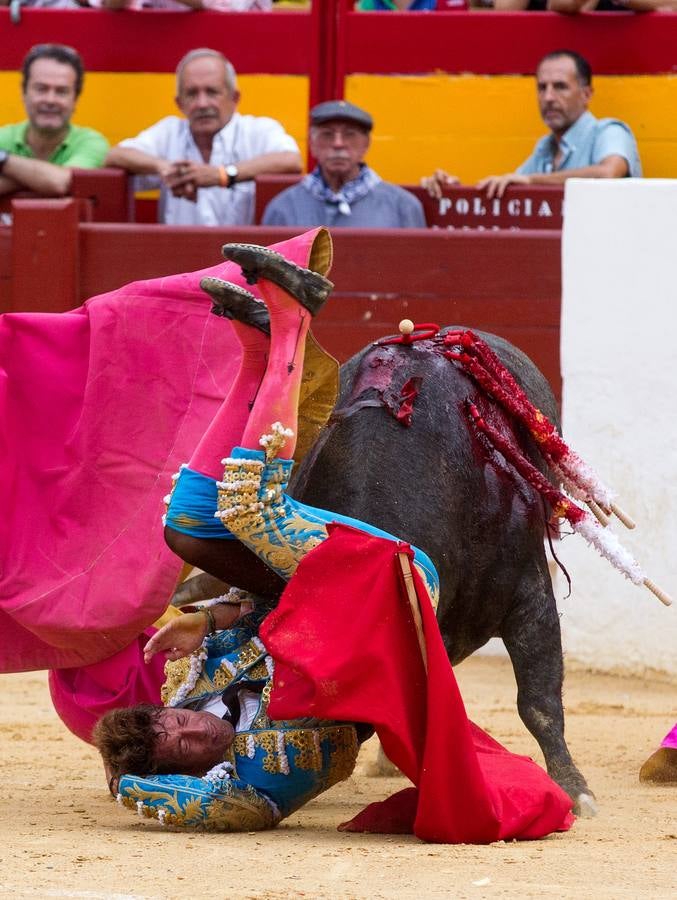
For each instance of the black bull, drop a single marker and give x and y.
(437, 484)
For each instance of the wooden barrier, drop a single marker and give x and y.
(520, 208)
(44, 253)
(459, 207)
(105, 195)
(503, 282)
(108, 191)
(6, 295)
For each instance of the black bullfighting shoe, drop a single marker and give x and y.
(233, 302)
(310, 288)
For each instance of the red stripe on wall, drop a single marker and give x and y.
(330, 43)
(154, 41)
(507, 43)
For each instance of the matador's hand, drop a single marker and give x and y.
(179, 637)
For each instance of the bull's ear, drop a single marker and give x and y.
(217, 803)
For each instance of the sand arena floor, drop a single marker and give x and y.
(61, 835)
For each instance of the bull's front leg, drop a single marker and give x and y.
(531, 633)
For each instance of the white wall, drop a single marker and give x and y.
(619, 363)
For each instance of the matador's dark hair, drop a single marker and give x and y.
(126, 738)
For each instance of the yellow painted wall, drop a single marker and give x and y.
(120, 104)
(471, 125)
(480, 125)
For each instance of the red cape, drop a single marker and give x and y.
(345, 648)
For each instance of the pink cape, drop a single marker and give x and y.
(670, 739)
(98, 407)
(83, 694)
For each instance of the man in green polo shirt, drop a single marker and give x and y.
(38, 154)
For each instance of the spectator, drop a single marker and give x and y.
(343, 191)
(38, 154)
(578, 146)
(205, 163)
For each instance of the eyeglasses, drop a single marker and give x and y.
(347, 133)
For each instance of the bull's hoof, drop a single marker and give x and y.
(585, 806)
(660, 767)
(233, 302)
(309, 288)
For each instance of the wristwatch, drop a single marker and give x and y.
(4, 156)
(232, 172)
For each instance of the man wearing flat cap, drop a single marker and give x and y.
(342, 191)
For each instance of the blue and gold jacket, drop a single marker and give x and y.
(272, 769)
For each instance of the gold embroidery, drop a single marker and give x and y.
(278, 535)
(238, 497)
(308, 751)
(235, 810)
(222, 677)
(343, 753)
(247, 655)
(262, 720)
(176, 673)
(250, 813)
(188, 521)
(258, 672)
(239, 745)
(268, 742)
(283, 544)
(168, 797)
(340, 743)
(274, 762)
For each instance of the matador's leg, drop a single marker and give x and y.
(192, 531)
(253, 502)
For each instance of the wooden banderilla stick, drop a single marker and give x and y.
(405, 565)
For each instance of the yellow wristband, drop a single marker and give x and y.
(223, 177)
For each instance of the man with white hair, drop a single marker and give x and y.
(205, 163)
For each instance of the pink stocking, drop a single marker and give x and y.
(278, 397)
(225, 430)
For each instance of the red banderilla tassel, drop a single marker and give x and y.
(561, 505)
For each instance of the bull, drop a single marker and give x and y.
(437, 485)
(426, 475)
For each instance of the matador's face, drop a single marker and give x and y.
(189, 742)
